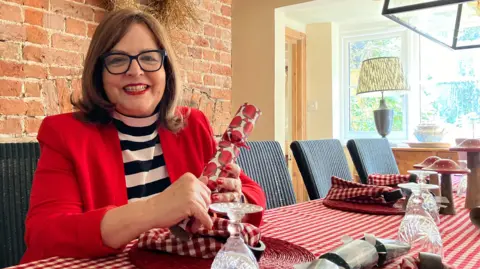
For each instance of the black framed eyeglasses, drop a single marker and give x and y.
(118, 63)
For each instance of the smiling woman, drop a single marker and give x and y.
(129, 160)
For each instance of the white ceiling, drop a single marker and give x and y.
(343, 12)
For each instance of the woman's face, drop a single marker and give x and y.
(136, 92)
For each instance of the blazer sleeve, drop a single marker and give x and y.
(56, 224)
(252, 191)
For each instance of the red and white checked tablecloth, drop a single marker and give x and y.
(318, 229)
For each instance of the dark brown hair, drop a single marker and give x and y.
(93, 102)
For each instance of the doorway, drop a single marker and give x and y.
(295, 106)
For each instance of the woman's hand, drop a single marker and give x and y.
(188, 196)
(229, 187)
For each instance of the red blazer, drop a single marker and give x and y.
(80, 177)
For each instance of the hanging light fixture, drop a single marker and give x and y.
(451, 23)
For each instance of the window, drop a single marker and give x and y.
(445, 86)
(357, 116)
(450, 88)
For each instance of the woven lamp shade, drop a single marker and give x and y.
(381, 74)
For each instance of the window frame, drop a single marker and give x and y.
(407, 52)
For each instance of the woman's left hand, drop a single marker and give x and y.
(230, 186)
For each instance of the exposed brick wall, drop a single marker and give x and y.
(42, 48)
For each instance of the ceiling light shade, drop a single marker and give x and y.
(451, 23)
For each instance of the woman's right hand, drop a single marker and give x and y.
(188, 196)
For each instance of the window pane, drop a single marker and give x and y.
(450, 90)
(362, 106)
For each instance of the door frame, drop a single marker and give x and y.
(299, 102)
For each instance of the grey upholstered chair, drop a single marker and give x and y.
(372, 156)
(318, 161)
(265, 163)
(18, 162)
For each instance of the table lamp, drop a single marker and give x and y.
(380, 75)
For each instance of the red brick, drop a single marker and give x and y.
(217, 56)
(64, 72)
(10, 51)
(34, 108)
(202, 42)
(209, 80)
(226, 11)
(34, 71)
(226, 34)
(10, 69)
(68, 42)
(32, 125)
(208, 5)
(220, 21)
(228, 2)
(201, 67)
(91, 29)
(181, 50)
(208, 55)
(222, 94)
(195, 53)
(75, 27)
(226, 58)
(10, 13)
(64, 93)
(12, 107)
(32, 89)
(34, 17)
(12, 32)
(195, 78)
(72, 9)
(99, 15)
(10, 88)
(32, 53)
(36, 3)
(37, 35)
(186, 63)
(16, 1)
(221, 70)
(79, 1)
(54, 21)
(10, 126)
(51, 96)
(218, 32)
(209, 30)
(97, 3)
(64, 58)
(217, 45)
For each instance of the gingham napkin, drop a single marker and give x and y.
(205, 243)
(388, 180)
(361, 193)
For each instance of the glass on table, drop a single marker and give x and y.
(235, 253)
(429, 201)
(462, 184)
(418, 227)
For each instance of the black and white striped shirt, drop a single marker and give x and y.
(143, 160)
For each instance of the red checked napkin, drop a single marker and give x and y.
(387, 180)
(359, 193)
(205, 243)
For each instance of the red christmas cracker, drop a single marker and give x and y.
(229, 146)
(227, 152)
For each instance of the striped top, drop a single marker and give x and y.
(143, 161)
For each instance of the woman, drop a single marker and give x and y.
(129, 160)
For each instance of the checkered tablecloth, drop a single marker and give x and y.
(318, 229)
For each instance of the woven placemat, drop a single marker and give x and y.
(279, 254)
(373, 209)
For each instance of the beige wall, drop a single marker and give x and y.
(322, 79)
(258, 74)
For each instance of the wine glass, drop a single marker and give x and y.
(418, 228)
(235, 253)
(429, 201)
(462, 185)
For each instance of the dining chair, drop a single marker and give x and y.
(372, 156)
(265, 163)
(318, 161)
(18, 162)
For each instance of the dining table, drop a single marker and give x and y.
(319, 229)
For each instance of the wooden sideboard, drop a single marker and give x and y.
(407, 157)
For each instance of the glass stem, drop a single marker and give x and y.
(234, 226)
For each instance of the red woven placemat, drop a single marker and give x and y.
(279, 254)
(374, 209)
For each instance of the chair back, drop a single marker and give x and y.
(18, 162)
(265, 163)
(372, 156)
(318, 161)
